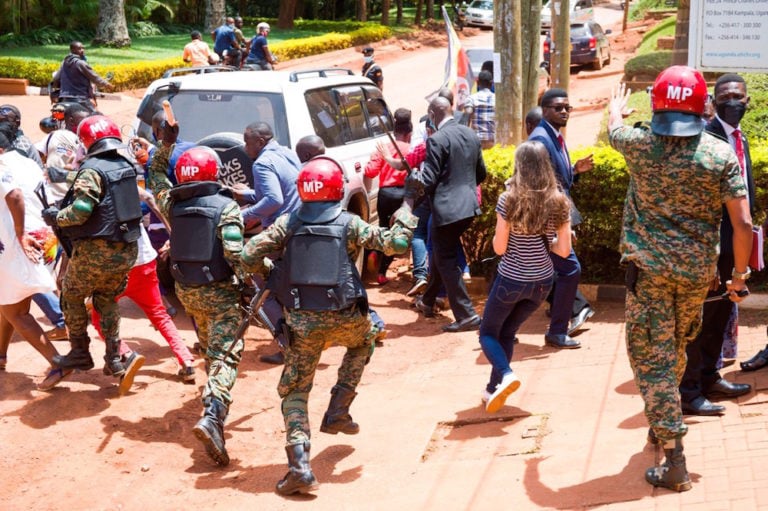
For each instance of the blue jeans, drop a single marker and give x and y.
(509, 304)
(51, 307)
(568, 271)
(419, 242)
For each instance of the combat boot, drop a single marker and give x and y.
(672, 474)
(113, 365)
(337, 419)
(299, 478)
(78, 357)
(210, 430)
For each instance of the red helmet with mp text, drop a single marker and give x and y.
(99, 133)
(321, 180)
(678, 98)
(197, 164)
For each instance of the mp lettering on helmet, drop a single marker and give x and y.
(679, 93)
(100, 126)
(313, 186)
(189, 170)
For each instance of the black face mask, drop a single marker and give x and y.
(731, 111)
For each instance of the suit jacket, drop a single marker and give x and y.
(453, 168)
(545, 134)
(726, 229)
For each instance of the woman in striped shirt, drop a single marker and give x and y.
(532, 218)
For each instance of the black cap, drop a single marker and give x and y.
(368, 50)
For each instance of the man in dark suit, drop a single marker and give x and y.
(453, 169)
(701, 379)
(568, 307)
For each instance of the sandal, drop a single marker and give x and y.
(3, 362)
(53, 377)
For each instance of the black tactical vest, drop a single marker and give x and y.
(117, 215)
(197, 253)
(315, 272)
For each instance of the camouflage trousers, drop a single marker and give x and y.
(312, 333)
(662, 317)
(98, 269)
(215, 309)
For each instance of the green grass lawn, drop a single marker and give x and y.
(664, 29)
(144, 48)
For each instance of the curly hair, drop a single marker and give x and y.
(533, 197)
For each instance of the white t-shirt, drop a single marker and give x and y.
(147, 252)
(19, 276)
(58, 147)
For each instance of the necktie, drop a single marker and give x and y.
(739, 147)
(562, 147)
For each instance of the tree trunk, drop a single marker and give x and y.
(286, 13)
(362, 10)
(419, 6)
(430, 15)
(112, 29)
(214, 14)
(399, 18)
(509, 93)
(530, 43)
(385, 12)
(560, 46)
(680, 51)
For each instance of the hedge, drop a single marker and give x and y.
(599, 195)
(136, 75)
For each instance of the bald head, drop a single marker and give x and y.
(439, 109)
(308, 147)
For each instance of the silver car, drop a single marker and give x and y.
(480, 14)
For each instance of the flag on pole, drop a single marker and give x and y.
(458, 72)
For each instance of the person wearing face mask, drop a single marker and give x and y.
(371, 70)
(701, 380)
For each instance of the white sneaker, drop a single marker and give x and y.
(509, 384)
(485, 396)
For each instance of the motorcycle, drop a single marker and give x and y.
(60, 103)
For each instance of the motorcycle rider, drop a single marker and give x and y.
(75, 78)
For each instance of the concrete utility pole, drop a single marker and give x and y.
(509, 92)
(560, 44)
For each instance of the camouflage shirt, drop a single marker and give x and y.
(674, 200)
(230, 216)
(394, 240)
(87, 195)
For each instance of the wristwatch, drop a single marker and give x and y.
(741, 275)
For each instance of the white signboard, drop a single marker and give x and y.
(729, 35)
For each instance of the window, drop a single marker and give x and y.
(325, 116)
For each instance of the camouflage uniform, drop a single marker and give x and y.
(97, 268)
(671, 232)
(313, 330)
(214, 307)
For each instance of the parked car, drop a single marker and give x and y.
(346, 110)
(589, 45)
(580, 11)
(480, 14)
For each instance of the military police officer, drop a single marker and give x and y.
(679, 179)
(371, 70)
(318, 285)
(206, 241)
(100, 215)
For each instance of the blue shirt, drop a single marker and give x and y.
(275, 172)
(224, 37)
(257, 48)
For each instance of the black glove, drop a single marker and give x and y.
(414, 188)
(49, 216)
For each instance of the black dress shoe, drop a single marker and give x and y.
(275, 358)
(562, 341)
(757, 362)
(466, 324)
(702, 406)
(723, 389)
(579, 319)
(425, 309)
